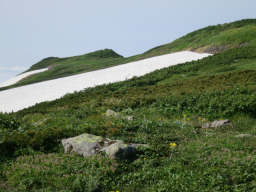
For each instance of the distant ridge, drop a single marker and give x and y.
(211, 39)
(47, 62)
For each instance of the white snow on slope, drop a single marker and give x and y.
(26, 96)
(20, 77)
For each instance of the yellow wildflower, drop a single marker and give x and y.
(172, 145)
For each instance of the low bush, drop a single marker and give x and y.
(7, 122)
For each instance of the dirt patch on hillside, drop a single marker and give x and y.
(218, 48)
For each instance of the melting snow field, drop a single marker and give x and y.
(29, 95)
(19, 77)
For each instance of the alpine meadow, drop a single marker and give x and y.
(170, 112)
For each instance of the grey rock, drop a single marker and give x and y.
(243, 136)
(245, 44)
(119, 150)
(111, 113)
(128, 118)
(216, 49)
(217, 123)
(87, 145)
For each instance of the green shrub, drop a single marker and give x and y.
(7, 122)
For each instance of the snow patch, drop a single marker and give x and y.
(22, 97)
(20, 77)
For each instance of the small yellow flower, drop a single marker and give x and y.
(172, 145)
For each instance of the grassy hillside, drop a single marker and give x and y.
(169, 106)
(212, 39)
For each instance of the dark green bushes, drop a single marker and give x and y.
(8, 123)
(212, 105)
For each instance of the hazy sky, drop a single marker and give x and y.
(34, 29)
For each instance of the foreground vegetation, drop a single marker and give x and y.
(169, 107)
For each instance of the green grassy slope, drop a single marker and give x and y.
(212, 39)
(169, 105)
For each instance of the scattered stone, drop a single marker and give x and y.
(245, 44)
(216, 49)
(111, 113)
(217, 123)
(243, 136)
(129, 118)
(88, 145)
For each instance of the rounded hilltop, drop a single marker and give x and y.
(105, 53)
(49, 61)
